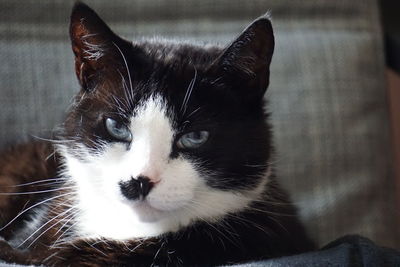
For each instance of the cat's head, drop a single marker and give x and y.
(163, 134)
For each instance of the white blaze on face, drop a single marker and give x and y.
(179, 197)
(149, 156)
(152, 140)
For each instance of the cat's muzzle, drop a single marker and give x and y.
(136, 188)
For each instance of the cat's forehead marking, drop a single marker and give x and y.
(153, 107)
(153, 134)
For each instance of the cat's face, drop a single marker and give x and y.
(163, 135)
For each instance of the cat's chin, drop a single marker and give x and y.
(146, 212)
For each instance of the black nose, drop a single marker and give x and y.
(136, 188)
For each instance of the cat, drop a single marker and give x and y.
(163, 159)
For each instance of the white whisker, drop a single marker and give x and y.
(188, 93)
(53, 180)
(61, 239)
(193, 112)
(70, 217)
(37, 230)
(53, 140)
(31, 207)
(126, 66)
(36, 192)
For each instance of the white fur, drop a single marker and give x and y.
(92, 51)
(179, 197)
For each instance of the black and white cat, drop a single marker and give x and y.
(163, 159)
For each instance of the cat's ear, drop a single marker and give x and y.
(244, 64)
(94, 44)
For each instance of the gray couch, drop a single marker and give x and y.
(327, 94)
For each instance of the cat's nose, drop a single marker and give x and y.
(136, 188)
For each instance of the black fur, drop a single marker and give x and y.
(219, 90)
(226, 97)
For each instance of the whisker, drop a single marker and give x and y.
(50, 155)
(188, 93)
(103, 253)
(55, 141)
(126, 65)
(193, 112)
(35, 205)
(127, 92)
(37, 230)
(248, 208)
(156, 255)
(55, 180)
(71, 217)
(51, 256)
(36, 192)
(59, 240)
(215, 228)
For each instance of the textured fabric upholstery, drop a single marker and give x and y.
(327, 94)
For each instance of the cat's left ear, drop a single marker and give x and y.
(245, 62)
(96, 47)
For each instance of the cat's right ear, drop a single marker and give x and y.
(94, 44)
(244, 64)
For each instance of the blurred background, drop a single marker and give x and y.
(334, 93)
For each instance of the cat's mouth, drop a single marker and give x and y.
(147, 212)
(153, 202)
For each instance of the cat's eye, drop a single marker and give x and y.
(192, 139)
(118, 130)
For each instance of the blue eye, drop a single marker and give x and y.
(118, 130)
(192, 139)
